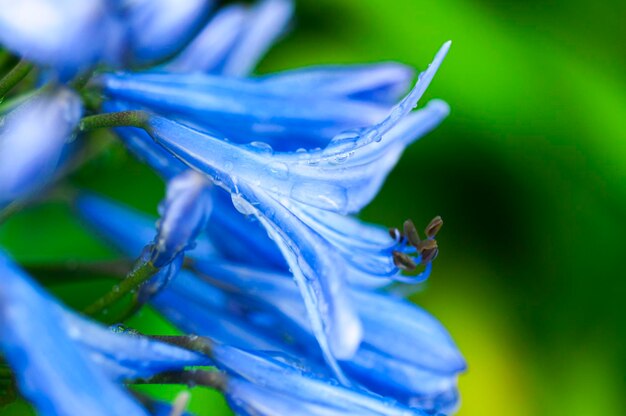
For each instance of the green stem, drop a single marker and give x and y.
(14, 76)
(133, 118)
(139, 275)
(212, 379)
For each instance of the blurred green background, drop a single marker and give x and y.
(528, 173)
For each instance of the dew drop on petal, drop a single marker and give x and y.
(321, 195)
(278, 170)
(262, 148)
(242, 205)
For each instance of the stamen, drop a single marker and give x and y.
(403, 261)
(425, 245)
(429, 255)
(411, 233)
(427, 249)
(433, 227)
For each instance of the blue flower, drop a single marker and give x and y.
(285, 191)
(41, 340)
(33, 137)
(263, 174)
(259, 308)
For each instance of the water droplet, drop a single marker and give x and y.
(242, 205)
(373, 135)
(262, 147)
(303, 154)
(228, 166)
(278, 170)
(321, 195)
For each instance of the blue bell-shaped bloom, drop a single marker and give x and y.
(34, 328)
(32, 139)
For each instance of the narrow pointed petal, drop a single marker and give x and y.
(384, 315)
(184, 215)
(266, 22)
(249, 399)
(377, 83)
(208, 50)
(32, 139)
(283, 379)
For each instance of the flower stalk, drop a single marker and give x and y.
(15, 75)
(139, 275)
(131, 118)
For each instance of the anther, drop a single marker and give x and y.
(429, 255)
(433, 227)
(410, 232)
(403, 261)
(426, 245)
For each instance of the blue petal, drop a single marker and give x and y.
(198, 308)
(318, 271)
(127, 356)
(377, 83)
(124, 227)
(184, 215)
(63, 34)
(31, 331)
(210, 47)
(428, 345)
(342, 178)
(283, 379)
(266, 22)
(240, 109)
(158, 28)
(240, 238)
(32, 139)
(235, 39)
(249, 399)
